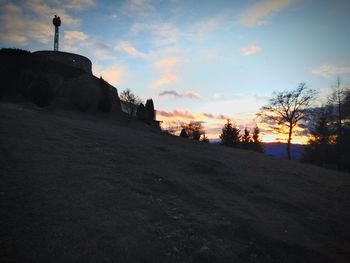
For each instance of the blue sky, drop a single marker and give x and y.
(198, 60)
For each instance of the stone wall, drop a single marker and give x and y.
(70, 59)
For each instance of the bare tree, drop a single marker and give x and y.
(130, 101)
(287, 109)
(194, 130)
(337, 102)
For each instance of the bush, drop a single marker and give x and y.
(40, 93)
(14, 52)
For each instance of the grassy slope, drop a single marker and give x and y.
(79, 189)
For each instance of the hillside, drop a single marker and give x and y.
(79, 187)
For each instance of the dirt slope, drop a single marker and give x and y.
(80, 188)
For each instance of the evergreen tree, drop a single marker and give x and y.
(246, 139)
(256, 143)
(230, 135)
(321, 143)
(150, 114)
(204, 138)
(141, 112)
(183, 133)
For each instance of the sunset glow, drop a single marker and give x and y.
(208, 61)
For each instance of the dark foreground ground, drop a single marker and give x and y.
(75, 188)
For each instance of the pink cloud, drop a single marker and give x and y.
(253, 49)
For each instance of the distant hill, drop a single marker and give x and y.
(279, 150)
(79, 187)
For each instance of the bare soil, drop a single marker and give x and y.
(78, 187)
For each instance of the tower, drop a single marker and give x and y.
(56, 22)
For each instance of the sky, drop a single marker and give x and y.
(206, 60)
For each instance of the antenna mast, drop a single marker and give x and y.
(56, 22)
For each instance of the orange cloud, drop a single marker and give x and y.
(256, 14)
(114, 75)
(164, 80)
(129, 49)
(75, 35)
(167, 63)
(253, 49)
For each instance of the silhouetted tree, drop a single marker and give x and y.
(194, 130)
(204, 138)
(141, 112)
(14, 52)
(339, 103)
(230, 135)
(246, 139)
(131, 101)
(287, 109)
(321, 147)
(183, 133)
(146, 113)
(105, 102)
(150, 113)
(256, 141)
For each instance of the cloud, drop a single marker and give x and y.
(187, 115)
(219, 96)
(45, 13)
(129, 49)
(170, 93)
(256, 14)
(31, 21)
(191, 95)
(78, 4)
(168, 63)
(253, 49)
(114, 75)
(186, 94)
(75, 35)
(168, 68)
(215, 117)
(102, 51)
(163, 33)
(16, 26)
(164, 80)
(177, 113)
(330, 69)
(138, 8)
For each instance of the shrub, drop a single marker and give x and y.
(14, 52)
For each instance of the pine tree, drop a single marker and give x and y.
(256, 144)
(246, 139)
(322, 148)
(141, 112)
(230, 135)
(204, 138)
(149, 108)
(183, 133)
